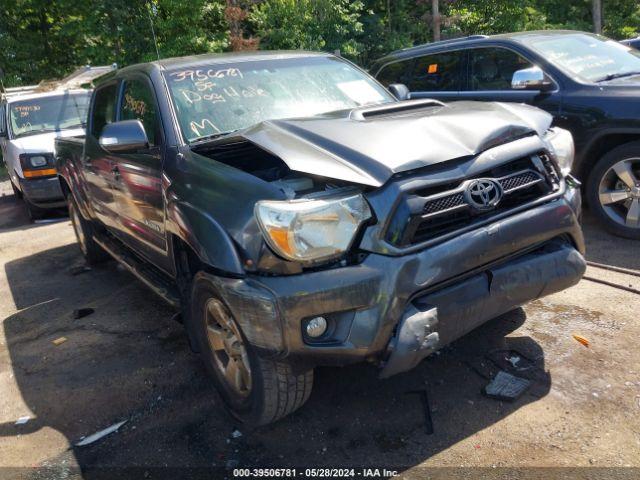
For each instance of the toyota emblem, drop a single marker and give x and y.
(483, 193)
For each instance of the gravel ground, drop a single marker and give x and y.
(130, 361)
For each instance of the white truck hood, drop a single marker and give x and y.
(42, 143)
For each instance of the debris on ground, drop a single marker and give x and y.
(98, 435)
(512, 361)
(581, 339)
(506, 387)
(82, 312)
(23, 420)
(236, 434)
(59, 341)
(78, 269)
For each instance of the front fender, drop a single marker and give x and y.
(205, 237)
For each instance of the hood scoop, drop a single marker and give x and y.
(399, 108)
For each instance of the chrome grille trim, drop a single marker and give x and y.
(451, 200)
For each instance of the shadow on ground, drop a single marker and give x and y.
(599, 246)
(14, 215)
(130, 361)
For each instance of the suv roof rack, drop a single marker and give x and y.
(443, 42)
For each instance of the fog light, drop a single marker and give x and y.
(316, 327)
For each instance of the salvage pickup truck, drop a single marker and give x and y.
(300, 215)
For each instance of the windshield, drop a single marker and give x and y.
(590, 57)
(48, 114)
(220, 98)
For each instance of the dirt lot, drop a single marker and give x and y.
(130, 361)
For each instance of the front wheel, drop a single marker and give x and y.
(613, 191)
(256, 390)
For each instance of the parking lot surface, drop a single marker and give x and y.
(129, 360)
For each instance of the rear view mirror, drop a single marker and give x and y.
(126, 136)
(399, 90)
(530, 79)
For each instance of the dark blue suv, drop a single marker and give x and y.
(589, 83)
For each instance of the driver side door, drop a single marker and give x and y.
(138, 190)
(488, 75)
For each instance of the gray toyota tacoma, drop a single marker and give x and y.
(299, 214)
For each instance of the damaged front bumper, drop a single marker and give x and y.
(397, 310)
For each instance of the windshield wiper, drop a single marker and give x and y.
(613, 76)
(213, 136)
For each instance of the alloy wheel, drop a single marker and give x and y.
(228, 347)
(619, 193)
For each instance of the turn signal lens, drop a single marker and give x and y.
(45, 172)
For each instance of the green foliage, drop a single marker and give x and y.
(309, 24)
(43, 39)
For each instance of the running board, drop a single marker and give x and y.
(146, 273)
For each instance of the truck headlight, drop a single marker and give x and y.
(311, 230)
(561, 143)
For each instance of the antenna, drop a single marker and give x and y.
(151, 7)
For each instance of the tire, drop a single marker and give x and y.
(613, 191)
(84, 231)
(16, 192)
(271, 389)
(35, 212)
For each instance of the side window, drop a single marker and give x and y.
(438, 72)
(104, 108)
(138, 103)
(493, 68)
(397, 72)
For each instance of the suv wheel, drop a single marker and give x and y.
(256, 390)
(613, 191)
(84, 230)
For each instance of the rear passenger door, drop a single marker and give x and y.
(436, 75)
(98, 164)
(138, 191)
(488, 78)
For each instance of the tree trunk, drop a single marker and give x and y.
(435, 13)
(597, 16)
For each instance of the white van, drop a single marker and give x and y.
(30, 119)
(28, 126)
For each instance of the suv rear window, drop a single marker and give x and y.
(437, 72)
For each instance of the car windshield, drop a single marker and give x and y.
(590, 57)
(49, 114)
(220, 98)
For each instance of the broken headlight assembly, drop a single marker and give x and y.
(560, 143)
(312, 230)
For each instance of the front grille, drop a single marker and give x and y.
(443, 209)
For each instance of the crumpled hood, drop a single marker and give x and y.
(369, 145)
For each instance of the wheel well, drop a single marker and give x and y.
(601, 146)
(64, 186)
(187, 265)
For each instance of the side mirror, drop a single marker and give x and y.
(530, 79)
(126, 136)
(399, 90)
